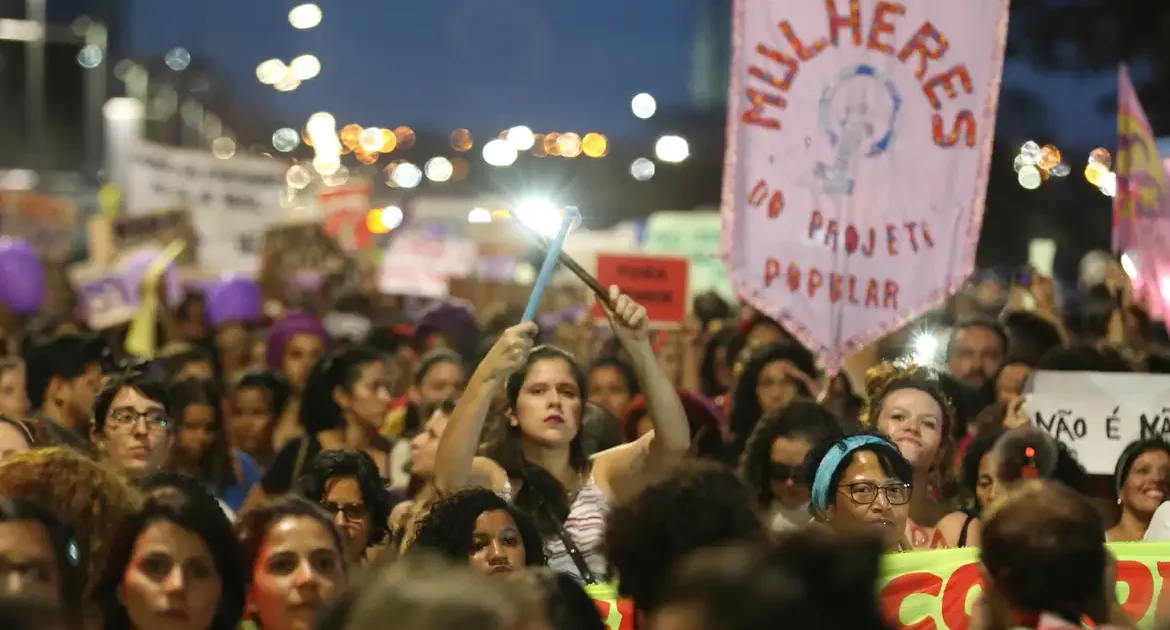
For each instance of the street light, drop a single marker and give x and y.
(305, 16)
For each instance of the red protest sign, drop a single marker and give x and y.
(657, 282)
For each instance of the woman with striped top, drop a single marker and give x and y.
(538, 462)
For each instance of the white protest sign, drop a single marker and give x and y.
(1096, 414)
(695, 235)
(422, 263)
(859, 135)
(233, 201)
(103, 297)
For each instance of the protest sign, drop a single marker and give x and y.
(1096, 414)
(158, 229)
(232, 201)
(422, 262)
(302, 247)
(47, 224)
(695, 235)
(658, 283)
(103, 297)
(345, 209)
(859, 137)
(931, 590)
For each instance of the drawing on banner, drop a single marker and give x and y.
(1096, 414)
(858, 148)
(103, 296)
(849, 120)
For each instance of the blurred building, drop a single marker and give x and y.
(711, 56)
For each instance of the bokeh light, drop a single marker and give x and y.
(1029, 177)
(541, 215)
(370, 139)
(643, 105)
(406, 175)
(569, 145)
(305, 67)
(223, 147)
(642, 169)
(351, 136)
(1101, 156)
(594, 145)
(439, 169)
(337, 178)
(374, 222)
(520, 137)
(298, 177)
(305, 16)
(499, 153)
(460, 169)
(326, 164)
(392, 217)
(288, 83)
(479, 215)
(672, 149)
(405, 137)
(89, 57)
(461, 140)
(285, 139)
(270, 72)
(321, 123)
(549, 143)
(366, 157)
(389, 141)
(538, 149)
(177, 59)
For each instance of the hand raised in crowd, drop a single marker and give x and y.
(510, 351)
(627, 317)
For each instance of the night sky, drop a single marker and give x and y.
(491, 64)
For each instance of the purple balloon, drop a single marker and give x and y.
(234, 299)
(133, 270)
(22, 277)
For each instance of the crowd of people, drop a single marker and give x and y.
(459, 471)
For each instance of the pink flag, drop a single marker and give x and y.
(859, 135)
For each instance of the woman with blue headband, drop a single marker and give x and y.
(862, 483)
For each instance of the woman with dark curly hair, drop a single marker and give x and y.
(478, 527)
(347, 485)
(773, 463)
(175, 564)
(909, 405)
(539, 462)
(773, 376)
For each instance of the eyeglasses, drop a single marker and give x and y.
(127, 418)
(784, 472)
(353, 512)
(865, 492)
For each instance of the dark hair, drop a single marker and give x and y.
(801, 420)
(809, 578)
(216, 465)
(891, 460)
(200, 515)
(319, 411)
(1031, 336)
(566, 604)
(329, 465)
(253, 525)
(148, 387)
(623, 368)
(704, 418)
(1029, 446)
(179, 356)
(19, 612)
(699, 504)
(165, 481)
(541, 493)
(976, 451)
(1132, 451)
(70, 557)
(433, 358)
(1082, 358)
(1044, 548)
(601, 430)
(978, 322)
(739, 340)
(745, 406)
(64, 356)
(273, 383)
(709, 306)
(708, 369)
(448, 527)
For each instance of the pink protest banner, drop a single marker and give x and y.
(1141, 207)
(859, 134)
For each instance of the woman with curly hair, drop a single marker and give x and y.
(347, 485)
(90, 496)
(909, 405)
(478, 527)
(773, 463)
(773, 376)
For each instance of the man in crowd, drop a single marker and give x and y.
(975, 351)
(64, 374)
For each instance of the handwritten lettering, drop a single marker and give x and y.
(1063, 426)
(1156, 425)
(835, 287)
(864, 240)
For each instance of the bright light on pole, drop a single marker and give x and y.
(672, 149)
(539, 214)
(305, 16)
(643, 105)
(479, 215)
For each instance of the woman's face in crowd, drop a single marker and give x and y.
(343, 499)
(297, 570)
(252, 418)
(13, 396)
(1145, 485)
(913, 420)
(28, 562)
(764, 333)
(1010, 381)
(723, 371)
(12, 440)
(369, 398)
(853, 510)
(789, 486)
(140, 446)
(196, 432)
(302, 351)
(609, 390)
(985, 482)
(775, 388)
(548, 408)
(443, 381)
(232, 342)
(497, 549)
(171, 581)
(426, 443)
